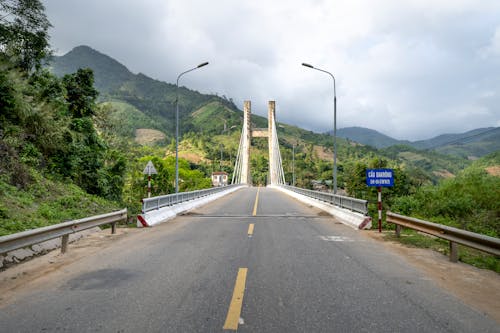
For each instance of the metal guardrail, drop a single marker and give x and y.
(149, 204)
(353, 204)
(454, 235)
(31, 237)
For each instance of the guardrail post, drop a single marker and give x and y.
(64, 243)
(398, 230)
(113, 228)
(453, 252)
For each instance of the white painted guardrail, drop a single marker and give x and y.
(353, 204)
(149, 204)
(163, 208)
(454, 235)
(31, 237)
(349, 211)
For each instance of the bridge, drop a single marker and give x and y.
(254, 260)
(241, 174)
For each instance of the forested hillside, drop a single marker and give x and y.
(59, 158)
(53, 164)
(470, 145)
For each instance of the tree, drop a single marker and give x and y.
(24, 34)
(80, 93)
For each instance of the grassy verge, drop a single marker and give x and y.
(467, 255)
(46, 202)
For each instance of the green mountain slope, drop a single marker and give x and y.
(472, 144)
(153, 98)
(443, 140)
(475, 143)
(83, 56)
(367, 136)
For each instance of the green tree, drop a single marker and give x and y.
(80, 93)
(24, 34)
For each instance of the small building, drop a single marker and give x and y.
(219, 178)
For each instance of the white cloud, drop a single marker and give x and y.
(493, 49)
(401, 67)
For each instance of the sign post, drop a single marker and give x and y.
(149, 170)
(380, 178)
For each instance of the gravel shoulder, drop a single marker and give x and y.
(478, 288)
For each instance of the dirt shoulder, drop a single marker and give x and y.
(478, 288)
(23, 276)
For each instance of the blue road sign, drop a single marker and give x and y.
(380, 177)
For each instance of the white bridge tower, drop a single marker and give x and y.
(241, 173)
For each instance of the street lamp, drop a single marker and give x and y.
(177, 125)
(334, 126)
(293, 164)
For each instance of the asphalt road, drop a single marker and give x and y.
(293, 270)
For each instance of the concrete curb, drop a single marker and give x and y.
(22, 254)
(347, 217)
(155, 217)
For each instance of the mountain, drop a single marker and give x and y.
(83, 56)
(368, 137)
(151, 103)
(153, 98)
(471, 144)
(138, 107)
(213, 114)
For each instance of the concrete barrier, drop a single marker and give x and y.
(347, 217)
(164, 214)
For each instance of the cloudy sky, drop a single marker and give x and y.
(411, 69)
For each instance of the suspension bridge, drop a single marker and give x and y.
(241, 174)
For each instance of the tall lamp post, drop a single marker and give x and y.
(293, 164)
(334, 125)
(177, 125)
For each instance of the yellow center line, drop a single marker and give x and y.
(250, 229)
(256, 202)
(234, 311)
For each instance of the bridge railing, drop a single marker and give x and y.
(149, 204)
(353, 204)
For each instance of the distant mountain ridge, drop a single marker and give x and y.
(156, 101)
(474, 143)
(368, 136)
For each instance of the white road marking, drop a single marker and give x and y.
(336, 238)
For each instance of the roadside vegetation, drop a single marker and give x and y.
(60, 158)
(469, 201)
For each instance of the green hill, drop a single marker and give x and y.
(155, 99)
(83, 56)
(472, 144)
(368, 137)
